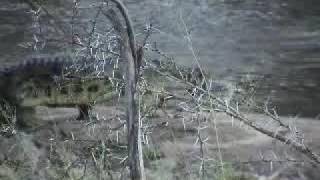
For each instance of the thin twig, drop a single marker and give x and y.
(231, 111)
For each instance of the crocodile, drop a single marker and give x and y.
(42, 82)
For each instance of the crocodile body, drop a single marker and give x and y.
(41, 82)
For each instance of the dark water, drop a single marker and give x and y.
(277, 40)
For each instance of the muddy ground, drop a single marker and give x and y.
(64, 148)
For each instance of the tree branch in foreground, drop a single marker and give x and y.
(233, 112)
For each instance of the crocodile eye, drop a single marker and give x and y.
(93, 88)
(64, 90)
(77, 88)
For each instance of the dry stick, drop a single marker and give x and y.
(188, 36)
(219, 148)
(272, 116)
(35, 6)
(201, 146)
(216, 130)
(94, 24)
(298, 146)
(140, 142)
(234, 113)
(132, 118)
(129, 53)
(130, 30)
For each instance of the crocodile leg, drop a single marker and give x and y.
(83, 111)
(26, 117)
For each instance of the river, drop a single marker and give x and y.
(274, 41)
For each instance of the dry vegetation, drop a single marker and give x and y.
(190, 125)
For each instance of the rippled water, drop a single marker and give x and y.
(275, 39)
